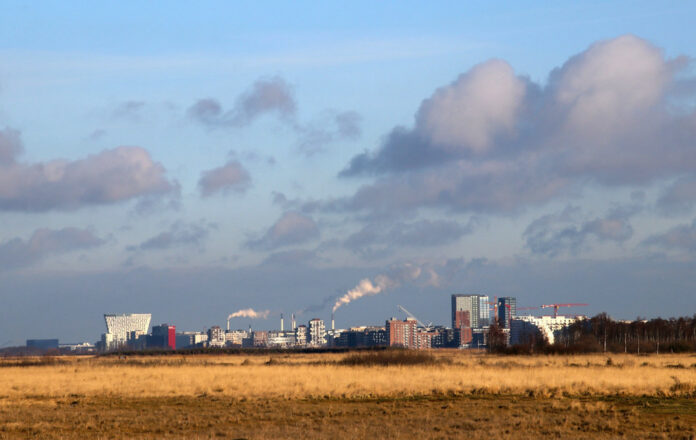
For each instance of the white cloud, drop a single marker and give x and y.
(292, 228)
(496, 142)
(111, 176)
(469, 113)
(230, 177)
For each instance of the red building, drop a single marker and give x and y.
(163, 336)
(425, 339)
(462, 327)
(462, 319)
(402, 333)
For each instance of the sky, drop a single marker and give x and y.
(191, 161)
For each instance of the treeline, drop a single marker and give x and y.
(602, 334)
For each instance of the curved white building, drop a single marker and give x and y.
(120, 327)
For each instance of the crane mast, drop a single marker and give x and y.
(411, 315)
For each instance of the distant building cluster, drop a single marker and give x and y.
(472, 317)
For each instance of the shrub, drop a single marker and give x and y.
(390, 357)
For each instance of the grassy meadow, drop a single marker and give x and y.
(441, 394)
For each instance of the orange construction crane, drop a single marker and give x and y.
(556, 306)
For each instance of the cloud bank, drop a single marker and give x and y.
(496, 142)
(563, 232)
(178, 235)
(44, 242)
(111, 176)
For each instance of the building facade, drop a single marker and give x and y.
(362, 337)
(43, 344)
(476, 305)
(191, 339)
(119, 327)
(281, 339)
(216, 337)
(301, 335)
(426, 339)
(163, 336)
(507, 310)
(525, 328)
(402, 333)
(235, 338)
(316, 332)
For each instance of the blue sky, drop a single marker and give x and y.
(272, 155)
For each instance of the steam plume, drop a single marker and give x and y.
(367, 287)
(249, 313)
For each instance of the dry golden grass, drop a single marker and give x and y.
(320, 376)
(456, 394)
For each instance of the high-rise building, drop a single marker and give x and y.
(163, 336)
(476, 305)
(402, 333)
(507, 310)
(316, 335)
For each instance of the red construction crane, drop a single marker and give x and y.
(556, 306)
(495, 307)
(526, 308)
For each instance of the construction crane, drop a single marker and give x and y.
(495, 307)
(556, 306)
(411, 315)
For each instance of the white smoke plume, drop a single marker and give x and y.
(250, 313)
(367, 287)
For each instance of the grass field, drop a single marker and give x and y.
(447, 394)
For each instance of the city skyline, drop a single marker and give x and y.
(193, 163)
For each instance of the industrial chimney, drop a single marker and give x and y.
(293, 322)
(332, 321)
(281, 322)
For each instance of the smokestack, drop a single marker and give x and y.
(293, 322)
(228, 323)
(332, 321)
(281, 322)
